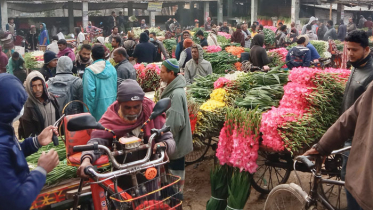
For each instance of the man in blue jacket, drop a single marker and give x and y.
(99, 83)
(299, 55)
(20, 187)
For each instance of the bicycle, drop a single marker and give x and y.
(293, 197)
(161, 191)
(200, 148)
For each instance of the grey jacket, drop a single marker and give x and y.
(357, 84)
(125, 70)
(178, 117)
(330, 33)
(65, 75)
(311, 35)
(193, 69)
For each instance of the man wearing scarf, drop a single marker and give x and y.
(43, 37)
(125, 117)
(32, 38)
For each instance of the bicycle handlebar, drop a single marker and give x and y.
(83, 148)
(305, 159)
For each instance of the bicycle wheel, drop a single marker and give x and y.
(273, 169)
(200, 148)
(334, 194)
(286, 196)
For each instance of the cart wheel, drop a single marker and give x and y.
(334, 194)
(273, 169)
(199, 150)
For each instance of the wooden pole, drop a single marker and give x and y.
(331, 12)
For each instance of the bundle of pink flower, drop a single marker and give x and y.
(221, 82)
(227, 36)
(213, 49)
(148, 77)
(273, 28)
(239, 140)
(282, 52)
(294, 104)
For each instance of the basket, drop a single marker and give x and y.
(161, 193)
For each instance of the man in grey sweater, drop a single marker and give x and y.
(125, 69)
(197, 66)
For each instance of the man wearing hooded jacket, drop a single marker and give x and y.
(311, 22)
(20, 187)
(41, 108)
(197, 66)
(145, 52)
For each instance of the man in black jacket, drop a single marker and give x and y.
(361, 75)
(145, 51)
(40, 109)
(202, 39)
(50, 62)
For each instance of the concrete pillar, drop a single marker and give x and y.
(230, 8)
(130, 8)
(4, 13)
(206, 12)
(85, 13)
(70, 5)
(254, 10)
(295, 8)
(152, 18)
(220, 11)
(340, 13)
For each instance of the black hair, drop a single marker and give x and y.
(199, 33)
(122, 51)
(280, 23)
(186, 32)
(153, 33)
(359, 36)
(253, 26)
(115, 27)
(261, 27)
(283, 28)
(309, 27)
(117, 39)
(330, 22)
(168, 71)
(55, 38)
(62, 41)
(98, 52)
(77, 30)
(220, 23)
(301, 40)
(86, 46)
(120, 12)
(113, 12)
(147, 32)
(15, 55)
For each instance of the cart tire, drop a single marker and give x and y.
(286, 196)
(334, 194)
(199, 151)
(267, 177)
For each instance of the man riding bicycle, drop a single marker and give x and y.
(125, 117)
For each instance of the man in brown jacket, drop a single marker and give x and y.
(361, 76)
(238, 36)
(357, 122)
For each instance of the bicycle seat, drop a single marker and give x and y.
(74, 160)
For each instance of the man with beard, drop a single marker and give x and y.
(361, 75)
(115, 43)
(179, 47)
(125, 117)
(32, 38)
(41, 108)
(115, 34)
(83, 60)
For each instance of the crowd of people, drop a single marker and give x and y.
(116, 100)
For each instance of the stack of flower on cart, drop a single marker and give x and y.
(272, 28)
(148, 76)
(310, 105)
(279, 57)
(222, 61)
(34, 60)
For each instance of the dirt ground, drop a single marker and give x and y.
(197, 189)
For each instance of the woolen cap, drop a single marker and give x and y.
(49, 56)
(172, 65)
(130, 90)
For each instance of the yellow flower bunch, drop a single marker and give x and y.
(211, 105)
(218, 94)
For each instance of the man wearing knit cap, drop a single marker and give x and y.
(177, 116)
(186, 54)
(126, 116)
(50, 63)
